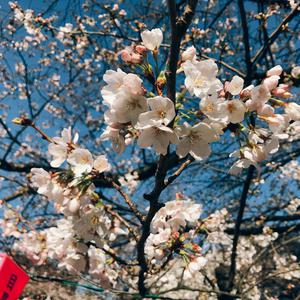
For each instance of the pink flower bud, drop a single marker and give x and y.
(136, 58)
(277, 70)
(125, 56)
(282, 91)
(287, 95)
(222, 92)
(246, 92)
(284, 86)
(266, 110)
(115, 7)
(140, 49)
(271, 82)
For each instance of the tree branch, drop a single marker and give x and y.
(179, 27)
(237, 228)
(263, 50)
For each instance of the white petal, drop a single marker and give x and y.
(236, 85)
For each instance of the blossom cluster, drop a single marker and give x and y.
(157, 122)
(79, 240)
(170, 235)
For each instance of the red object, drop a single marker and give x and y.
(12, 278)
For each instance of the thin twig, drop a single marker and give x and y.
(129, 202)
(261, 52)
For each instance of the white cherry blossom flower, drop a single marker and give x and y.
(201, 76)
(81, 161)
(154, 241)
(195, 140)
(92, 224)
(127, 108)
(258, 98)
(239, 165)
(271, 82)
(60, 146)
(256, 153)
(210, 106)
(47, 186)
(222, 111)
(119, 81)
(189, 54)
(217, 126)
(41, 179)
(260, 152)
(235, 86)
(176, 214)
(101, 164)
(59, 239)
(116, 139)
(152, 39)
(194, 266)
(114, 81)
(158, 137)
(277, 123)
(296, 72)
(162, 112)
(100, 270)
(292, 109)
(266, 110)
(232, 111)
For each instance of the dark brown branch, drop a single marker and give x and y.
(114, 214)
(246, 41)
(179, 26)
(179, 171)
(238, 224)
(259, 229)
(154, 207)
(129, 202)
(26, 168)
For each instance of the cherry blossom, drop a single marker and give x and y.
(235, 86)
(195, 140)
(175, 214)
(201, 76)
(116, 139)
(130, 56)
(101, 164)
(277, 70)
(81, 161)
(126, 109)
(119, 81)
(175, 103)
(162, 112)
(158, 137)
(193, 267)
(189, 54)
(292, 109)
(152, 39)
(60, 147)
(232, 111)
